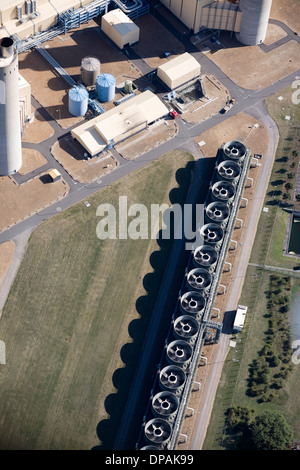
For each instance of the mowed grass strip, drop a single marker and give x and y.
(67, 315)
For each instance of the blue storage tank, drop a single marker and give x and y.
(105, 87)
(78, 101)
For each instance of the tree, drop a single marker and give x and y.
(270, 431)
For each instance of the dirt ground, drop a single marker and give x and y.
(70, 155)
(37, 130)
(274, 33)
(288, 12)
(7, 250)
(259, 69)
(209, 350)
(256, 138)
(155, 135)
(50, 90)
(19, 202)
(32, 159)
(154, 41)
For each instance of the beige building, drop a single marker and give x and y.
(120, 28)
(206, 13)
(179, 70)
(120, 122)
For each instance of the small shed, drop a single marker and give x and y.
(120, 28)
(179, 70)
(240, 317)
(54, 174)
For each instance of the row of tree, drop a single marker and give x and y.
(268, 371)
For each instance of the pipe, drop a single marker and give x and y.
(6, 47)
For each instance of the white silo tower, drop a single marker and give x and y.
(254, 21)
(10, 128)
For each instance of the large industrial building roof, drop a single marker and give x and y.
(120, 122)
(179, 70)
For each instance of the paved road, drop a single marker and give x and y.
(246, 100)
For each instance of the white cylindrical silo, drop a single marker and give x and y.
(78, 101)
(255, 20)
(10, 128)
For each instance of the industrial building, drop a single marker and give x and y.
(178, 71)
(194, 321)
(119, 123)
(120, 28)
(248, 19)
(10, 127)
(23, 19)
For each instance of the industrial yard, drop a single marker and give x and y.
(145, 100)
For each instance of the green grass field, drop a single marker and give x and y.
(267, 250)
(72, 324)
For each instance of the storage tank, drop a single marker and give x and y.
(157, 431)
(206, 257)
(164, 405)
(128, 86)
(255, 18)
(90, 70)
(105, 87)
(78, 101)
(186, 327)
(10, 128)
(199, 279)
(172, 378)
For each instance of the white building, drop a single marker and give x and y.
(240, 318)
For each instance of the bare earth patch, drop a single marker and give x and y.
(155, 135)
(288, 12)
(256, 138)
(259, 69)
(7, 250)
(19, 202)
(274, 33)
(154, 41)
(71, 156)
(38, 130)
(32, 159)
